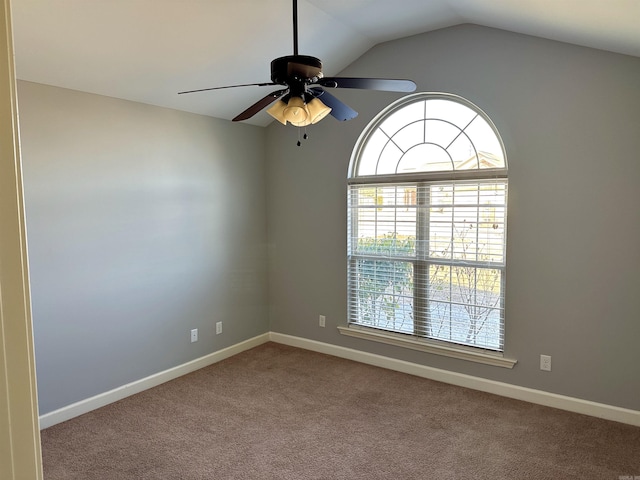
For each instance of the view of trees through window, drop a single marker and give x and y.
(427, 257)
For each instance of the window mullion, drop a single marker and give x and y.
(421, 320)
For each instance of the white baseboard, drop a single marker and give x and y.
(89, 404)
(608, 412)
(571, 404)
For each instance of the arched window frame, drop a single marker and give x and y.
(411, 258)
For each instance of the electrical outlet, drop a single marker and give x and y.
(194, 335)
(545, 363)
(322, 320)
(218, 328)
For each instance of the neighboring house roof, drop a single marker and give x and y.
(482, 160)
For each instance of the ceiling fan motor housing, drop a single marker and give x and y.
(296, 70)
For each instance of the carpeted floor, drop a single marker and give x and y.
(276, 412)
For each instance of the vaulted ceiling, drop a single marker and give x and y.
(148, 50)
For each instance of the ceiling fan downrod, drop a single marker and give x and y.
(295, 27)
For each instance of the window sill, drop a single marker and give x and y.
(462, 353)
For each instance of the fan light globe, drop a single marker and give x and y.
(317, 110)
(295, 111)
(277, 111)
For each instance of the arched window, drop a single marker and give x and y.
(427, 209)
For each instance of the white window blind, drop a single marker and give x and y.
(428, 259)
(427, 206)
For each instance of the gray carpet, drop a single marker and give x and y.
(276, 412)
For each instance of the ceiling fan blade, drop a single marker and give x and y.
(384, 84)
(229, 86)
(339, 110)
(259, 105)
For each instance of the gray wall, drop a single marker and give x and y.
(145, 222)
(570, 120)
(142, 223)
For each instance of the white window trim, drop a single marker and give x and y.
(471, 354)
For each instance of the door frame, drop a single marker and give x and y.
(20, 453)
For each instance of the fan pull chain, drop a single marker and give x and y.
(304, 137)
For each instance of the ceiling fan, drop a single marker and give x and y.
(304, 100)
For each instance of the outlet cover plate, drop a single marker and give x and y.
(545, 363)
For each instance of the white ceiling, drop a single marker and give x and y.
(148, 50)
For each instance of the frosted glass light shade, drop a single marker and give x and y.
(277, 111)
(317, 110)
(295, 111)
